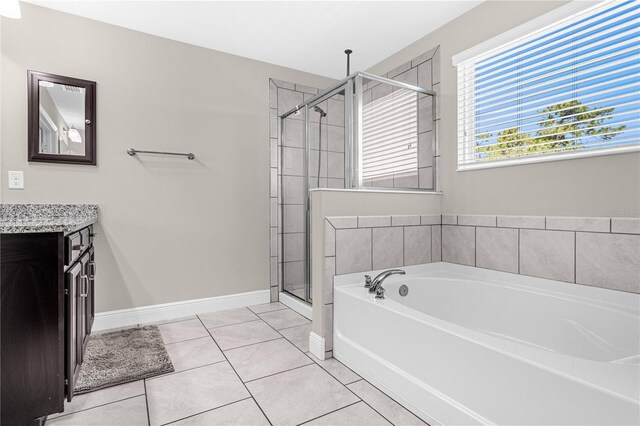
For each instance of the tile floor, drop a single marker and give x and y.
(247, 366)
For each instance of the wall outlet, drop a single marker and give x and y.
(16, 179)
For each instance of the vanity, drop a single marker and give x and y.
(48, 271)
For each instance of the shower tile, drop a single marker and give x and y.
(298, 335)
(587, 224)
(294, 248)
(283, 84)
(293, 133)
(353, 250)
(424, 57)
(294, 215)
(399, 70)
(183, 330)
(273, 123)
(299, 395)
(246, 333)
(314, 136)
(227, 317)
(359, 414)
(436, 134)
(274, 294)
(459, 244)
(380, 91)
(430, 219)
(313, 165)
(329, 239)
(335, 112)
(306, 89)
(383, 182)
(293, 274)
(273, 152)
(194, 353)
(425, 114)
(436, 243)
(435, 66)
(625, 225)
(176, 396)
(273, 95)
(387, 248)
(409, 77)
(608, 260)
(497, 249)
(329, 272)
(386, 406)
(293, 161)
(425, 79)
(263, 359)
(335, 183)
(547, 254)
(406, 180)
(405, 220)
(284, 319)
(530, 222)
(373, 221)
(436, 88)
(417, 245)
(335, 164)
(293, 189)
(245, 412)
(327, 327)
(273, 269)
(425, 177)
(287, 99)
(273, 182)
(476, 220)
(125, 412)
(425, 149)
(335, 135)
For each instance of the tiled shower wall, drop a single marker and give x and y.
(326, 170)
(422, 71)
(601, 252)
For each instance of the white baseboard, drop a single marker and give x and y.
(297, 305)
(316, 345)
(167, 311)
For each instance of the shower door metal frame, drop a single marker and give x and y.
(352, 85)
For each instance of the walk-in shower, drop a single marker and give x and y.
(364, 132)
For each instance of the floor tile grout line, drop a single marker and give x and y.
(206, 411)
(385, 394)
(97, 406)
(182, 371)
(251, 344)
(188, 340)
(370, 406)
(239, 378)
(229, 325)
(330, 412)
(272, 310)
(280, 372)
(286, 328)
(146, 401)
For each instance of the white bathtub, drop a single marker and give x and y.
(473, 346)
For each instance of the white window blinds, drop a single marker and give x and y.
(390, 135)
(571, 88)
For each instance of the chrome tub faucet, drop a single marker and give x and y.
(375, 286)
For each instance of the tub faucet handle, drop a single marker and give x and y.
(380, 293)
(367, 281)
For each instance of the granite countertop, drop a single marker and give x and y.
(36, 218)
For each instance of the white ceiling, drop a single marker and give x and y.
(304, 35)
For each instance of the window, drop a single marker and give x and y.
(566, 89)
(390, 135)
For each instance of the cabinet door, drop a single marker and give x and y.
(72, 361)
(90, 299)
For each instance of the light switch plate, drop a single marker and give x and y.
(16, 179)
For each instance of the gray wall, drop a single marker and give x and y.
(595, 186)
(170, 229)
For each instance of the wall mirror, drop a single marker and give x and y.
(62, 125)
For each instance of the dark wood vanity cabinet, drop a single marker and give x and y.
(48, 287)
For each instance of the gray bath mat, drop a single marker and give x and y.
(122, 356)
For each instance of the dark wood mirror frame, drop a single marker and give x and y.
(33, 93)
